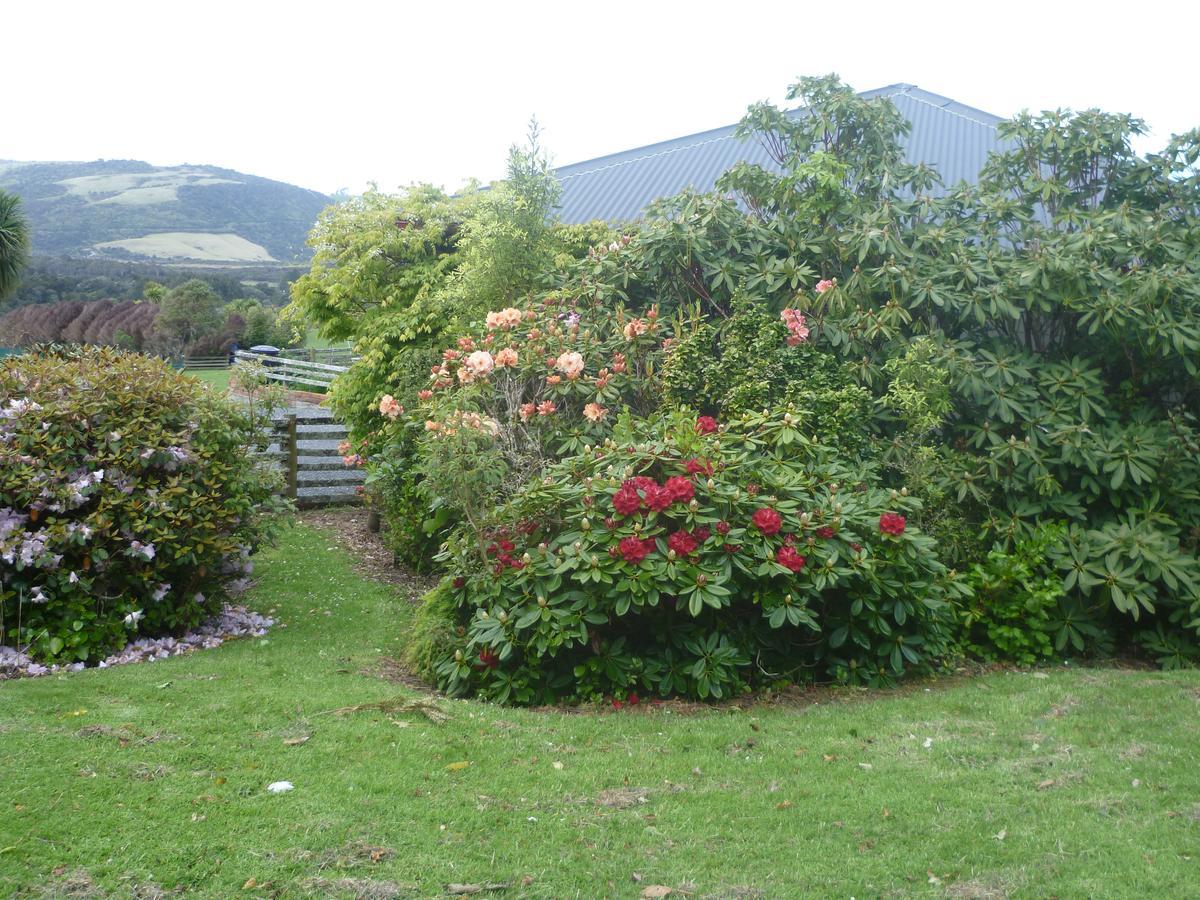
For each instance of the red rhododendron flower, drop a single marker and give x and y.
(731, 548)
(856, 547)
(683, 543)
(722, 528)
(699, 467)
(706, 425)
(658, 498)
(489, 659)
(517, 564)
(892, 523)
(681, 489)
(825, 532)
(789, 558)
(633, 550)
(626, 500)
(617, 704)
(633, 700)
(702, 534)
(610, 523)
(507, 546)
(459, 582)
(640, 482)
(767, 520)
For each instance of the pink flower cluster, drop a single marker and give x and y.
(797, 329)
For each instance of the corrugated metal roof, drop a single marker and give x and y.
(950, 136)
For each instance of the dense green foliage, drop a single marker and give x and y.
(129, 503)
(1021, 354)
(74, 206)
(14, 243)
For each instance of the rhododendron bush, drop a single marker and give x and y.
(1021, 353)
(129, 504)
(685, 557)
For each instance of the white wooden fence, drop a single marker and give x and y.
(294, 372)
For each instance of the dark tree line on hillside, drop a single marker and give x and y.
(128, 324)
(55, 279)
(190, 319)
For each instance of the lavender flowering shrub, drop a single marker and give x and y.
(129, 502)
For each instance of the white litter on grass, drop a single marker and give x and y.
(230, 622)
(280, 787)
(928, 743)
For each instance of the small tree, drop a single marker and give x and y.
(190, 311)
(14, 243)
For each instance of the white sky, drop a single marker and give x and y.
(339, 93)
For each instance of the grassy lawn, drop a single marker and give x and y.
(1068, 783)
(218, 379)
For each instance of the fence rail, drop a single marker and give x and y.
(294, 371)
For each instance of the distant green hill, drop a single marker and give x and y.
(130, 210)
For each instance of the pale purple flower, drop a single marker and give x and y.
(134, 617)
(160, 592)
(37, 595)
(145, 551)
(199, 598)
(10, 521)
(73, 578)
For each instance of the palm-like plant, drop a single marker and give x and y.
(14, 242)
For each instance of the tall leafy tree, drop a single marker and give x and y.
(14, 243)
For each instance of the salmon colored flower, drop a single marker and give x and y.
(546, 408)
(527, 411)
(389, 407)
(570, 364)
(594, 412)
(480, 363)
(506, 358)
(825, 284)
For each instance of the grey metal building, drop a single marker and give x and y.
(950, 136)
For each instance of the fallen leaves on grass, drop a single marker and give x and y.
(623, 798)
(462, 889)
(395, 706)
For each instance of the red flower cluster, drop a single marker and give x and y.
(892, 523)
(683, 543)
(699, 467)
(825, 532)
(681, 489)
(489, 659)
(702, 534)
(768, 521)
(706, 425)
(644, 492)
(722, 528)
(787, 557)
(634, 549)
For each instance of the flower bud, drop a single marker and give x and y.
(833, 488)
(701, 579)
(541, 601)
(693, 505)
(671, 555)
(458, 655)
(585, 525)
(903, 492)
(483, 614)
(710, 484)
(503, 617)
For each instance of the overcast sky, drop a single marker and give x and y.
(339, 94)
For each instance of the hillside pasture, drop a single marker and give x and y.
(139, 188)
(192, 245)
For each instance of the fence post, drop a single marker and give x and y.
(293, 453)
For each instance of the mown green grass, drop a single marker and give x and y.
(217, 379)
(1068, 783)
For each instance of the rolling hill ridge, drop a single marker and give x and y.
(131, 210)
